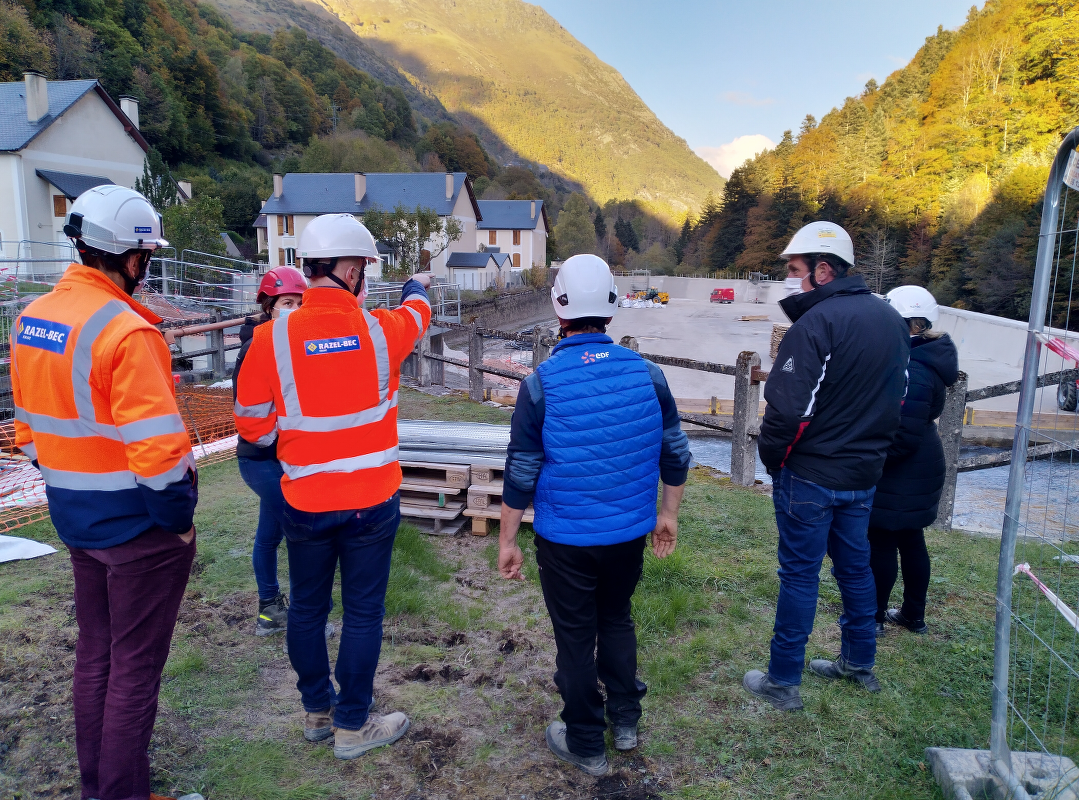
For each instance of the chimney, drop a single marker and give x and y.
(130, 106)
(533, 210)
(37, 96)
(361, 186)
(278, 184)
(449, 185)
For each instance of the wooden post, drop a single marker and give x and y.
(475, 359)
(540, 352)
(438, 369)
(423, 363)
(950, 428)
(217, 342)
(747, 395)
(630, 343)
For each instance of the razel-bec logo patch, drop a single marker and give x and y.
(43, 334)
(341, 344)
(143, 230)
(590, 358)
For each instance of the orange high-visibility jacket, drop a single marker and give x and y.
(323, 380)
(95, 407)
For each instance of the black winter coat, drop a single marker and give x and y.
(835, 390)
(909, 489)
(244, 448)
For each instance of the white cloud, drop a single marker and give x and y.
(728, 156)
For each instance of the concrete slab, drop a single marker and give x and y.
(966, 775)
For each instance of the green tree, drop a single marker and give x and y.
(195, 225)
(156, 183)
(574, 231)
(413, 232)
(600, 224)
(626, 235)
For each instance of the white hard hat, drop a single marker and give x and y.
(114, 219)
(584, 287)
(913, 301)
(821, 237)
(337, 236)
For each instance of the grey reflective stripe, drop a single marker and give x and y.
(353, 464)
(89, 481)
(258, 411)
(283, 357)
(154, 426)
(416, 316)
(67, 428)
(338, 423)
(82, 357)
(29, 450)
(171, 475)
(417, 296)
(267, 440)
(382, 354)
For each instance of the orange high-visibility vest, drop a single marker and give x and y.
(323, 380)
(92, 384)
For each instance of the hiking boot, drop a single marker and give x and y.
(318, 725)
(784, 698)
(556, 740)
(376, 732)
(839, 669)
(895, 616)
(272, 617)
(625, 737)
(879, 630)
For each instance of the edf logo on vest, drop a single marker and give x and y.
(318, 347)
(43, 334)
(590, 358)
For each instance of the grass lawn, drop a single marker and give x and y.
(470, 657)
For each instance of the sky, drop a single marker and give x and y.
(729, 77)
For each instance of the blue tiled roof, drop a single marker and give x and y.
(478, 260)
(71, 183)
(335, 193)
(506, 215)
(15, 130)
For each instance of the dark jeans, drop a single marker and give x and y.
(587, 591)
(812, 521)
(914, 557)
(126, 601)
(362, 541)
(264, 479)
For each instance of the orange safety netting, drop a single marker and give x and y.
(207, 413)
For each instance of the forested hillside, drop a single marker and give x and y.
(938, 173)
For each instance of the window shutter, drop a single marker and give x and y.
(492, 237)
(280, 225)
(59, 205)
(291, 225)
(516, 237)
(280, 255)
(516, 260)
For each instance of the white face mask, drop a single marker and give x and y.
(793, 286)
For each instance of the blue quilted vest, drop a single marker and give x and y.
(602, 431)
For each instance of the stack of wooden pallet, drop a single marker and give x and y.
(485, 499)
(432, 496)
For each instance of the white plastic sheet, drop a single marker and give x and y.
(12, 548)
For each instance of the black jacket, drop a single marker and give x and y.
(835, 389)
(909, 489)
(244, 448)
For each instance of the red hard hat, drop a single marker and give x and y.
(281, 280)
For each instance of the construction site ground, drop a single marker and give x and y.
(470, 658)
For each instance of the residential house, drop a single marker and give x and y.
(58, 139)
(479, 270)
(300, 197)
(516, 227)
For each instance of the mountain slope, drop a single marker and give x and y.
(528, 87)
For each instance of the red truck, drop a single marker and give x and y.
(722, 295)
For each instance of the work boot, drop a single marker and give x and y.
(625, 737)
(318, 725)
(556, 741)
(784, 698)
(839, 669)
(376, 732)
(879, 630)
(895, 616)
(273, 616)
